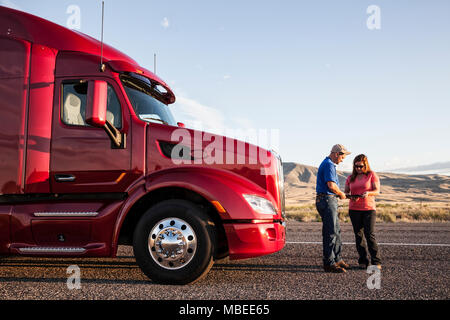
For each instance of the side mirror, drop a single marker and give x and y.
(97, 100)
(181, 124)
(96, 103)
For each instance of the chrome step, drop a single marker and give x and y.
(65, 214)
(51, 250)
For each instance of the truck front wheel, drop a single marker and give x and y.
(173, 242)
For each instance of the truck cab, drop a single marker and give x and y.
(91, 158)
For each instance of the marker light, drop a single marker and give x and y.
(218, 206)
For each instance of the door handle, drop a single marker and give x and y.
(64, 177)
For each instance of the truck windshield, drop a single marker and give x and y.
(143, 97)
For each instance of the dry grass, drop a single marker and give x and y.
(386, 212)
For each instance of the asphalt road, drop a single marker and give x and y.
(416, 265)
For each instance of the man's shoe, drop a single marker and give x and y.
(362, 266)
(334, 269)
(342, 264)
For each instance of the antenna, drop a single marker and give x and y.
(102, 66)
(154, 63)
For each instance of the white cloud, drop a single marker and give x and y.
(10, 4)
(206, 118)
(226, 77)
(243, 122)
(165, 23)
(200, 116)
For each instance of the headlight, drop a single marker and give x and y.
(259, 204)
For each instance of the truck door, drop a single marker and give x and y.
(83, 158)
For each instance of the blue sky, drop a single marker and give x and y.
(310, 70)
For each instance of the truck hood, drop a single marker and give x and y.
(172, 147)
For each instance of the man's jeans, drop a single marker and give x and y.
(327, 206)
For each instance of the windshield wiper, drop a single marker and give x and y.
(156, 119)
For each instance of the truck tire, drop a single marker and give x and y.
(173, 242)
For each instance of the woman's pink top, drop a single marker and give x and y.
(363, 183)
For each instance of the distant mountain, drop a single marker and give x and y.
(300, 184)
(437, 168)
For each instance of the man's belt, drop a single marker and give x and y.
(321, 195)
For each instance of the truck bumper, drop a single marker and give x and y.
(254, 238)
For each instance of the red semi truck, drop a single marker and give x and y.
(91, 158)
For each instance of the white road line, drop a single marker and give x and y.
(380, 243)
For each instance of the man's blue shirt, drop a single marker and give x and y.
(327, 172)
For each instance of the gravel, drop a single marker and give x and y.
(294, 273)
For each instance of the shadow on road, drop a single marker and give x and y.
(84, 280)
(268, 268)
(19, 269)
(65, 263)
(16, 268)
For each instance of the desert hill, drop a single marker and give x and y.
(300, 183)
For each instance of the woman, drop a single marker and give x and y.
(361, 188)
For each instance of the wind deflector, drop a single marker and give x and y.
(128, 68)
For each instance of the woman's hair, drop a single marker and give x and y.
(366, 170)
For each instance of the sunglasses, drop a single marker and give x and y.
(359, 167)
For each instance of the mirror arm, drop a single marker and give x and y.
(115, 135)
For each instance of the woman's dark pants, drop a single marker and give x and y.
(364, 227)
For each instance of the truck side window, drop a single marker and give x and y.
(113, 110)
(74, 105)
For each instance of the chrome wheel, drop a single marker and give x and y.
(172, 243)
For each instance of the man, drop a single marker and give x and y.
(327, 189)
